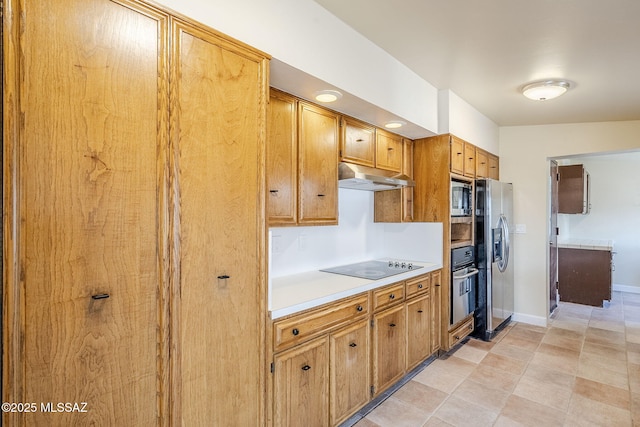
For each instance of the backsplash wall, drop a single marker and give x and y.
(357, 238)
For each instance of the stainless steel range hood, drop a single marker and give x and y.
(359, 177)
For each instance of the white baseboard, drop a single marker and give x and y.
(529, 319)
(626, 288)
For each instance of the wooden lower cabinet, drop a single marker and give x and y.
(389, 348)
(584, 275)
(342, 356)
(461, 331)
(301, 385)
(349, 370)
(436, 311)
(418, 330)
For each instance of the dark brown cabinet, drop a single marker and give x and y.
(584, 275)
(573, 190)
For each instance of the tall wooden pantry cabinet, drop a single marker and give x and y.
(134, 227)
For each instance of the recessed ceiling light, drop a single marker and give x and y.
(545, 89)
(327, 95)
(394, 124)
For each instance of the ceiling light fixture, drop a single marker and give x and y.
(394, 124)
(545, 89)
(327, 95)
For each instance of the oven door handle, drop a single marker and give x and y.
(473, 272)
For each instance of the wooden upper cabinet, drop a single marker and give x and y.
(469, 160)
(457, 155)
(357, 142)
(494, 167)
(317, 165)
(388, 151)
(282, 159)
(573, 190)
(482, 164)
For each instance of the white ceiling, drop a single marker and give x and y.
(485, 50)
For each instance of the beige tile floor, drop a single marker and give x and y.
(582, 370)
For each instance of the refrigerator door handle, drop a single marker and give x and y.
(506, 243)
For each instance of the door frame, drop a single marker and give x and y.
(553, 236)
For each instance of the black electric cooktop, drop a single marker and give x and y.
(373, 270)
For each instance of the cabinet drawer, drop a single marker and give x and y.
(298, 328)
(460, 332)
(418, 285)
(388, 295)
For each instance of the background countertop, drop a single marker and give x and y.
(591, 244)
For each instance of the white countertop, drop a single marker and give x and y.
(591, 244)
(297, 292)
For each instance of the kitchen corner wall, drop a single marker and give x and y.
(357, 238)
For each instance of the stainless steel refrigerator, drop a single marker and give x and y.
(494, 256)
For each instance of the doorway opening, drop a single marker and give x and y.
(613, 220)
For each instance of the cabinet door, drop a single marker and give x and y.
(318, 165)
(83, 312)
(457, 155)
(584, 276)
(357, 142)
(418, 330)
(482, 164)
(349, 370)
(469, 160)
(389, 347)
(573, 190)
(494, 167)
(436, 310)
(219, 128)
(301, 386)
(388, 151)
(282, 160)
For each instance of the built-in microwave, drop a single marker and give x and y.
(461, 198)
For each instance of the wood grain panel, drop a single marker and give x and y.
(418, 330)
(282, 160)
(388, 151)
(317, 165)
(357, 142)
(301, 385)
(90, 195)
(349, 370)
(219, 128)
(389, 347)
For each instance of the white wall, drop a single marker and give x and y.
(615, 213)
(524, 154)
(356, 238)
(306, 36)
(458, 117)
